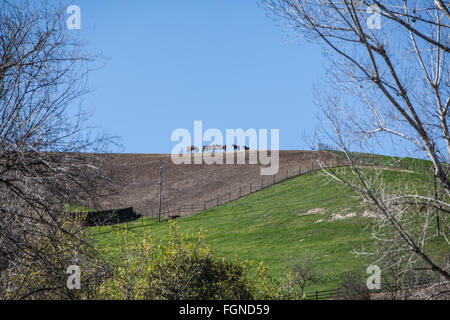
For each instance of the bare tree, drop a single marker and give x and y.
(353, 287)
(388, 84)
(43, 134)
(306, 271)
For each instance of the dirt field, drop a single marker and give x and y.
(191, 188)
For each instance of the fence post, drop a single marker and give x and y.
(262, 183)
(250, 188)
(287, 173)
(240, 192)
(217, 201)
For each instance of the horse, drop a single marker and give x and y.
(191, 148)
(217, 147)
(236, 147)
(245, 148)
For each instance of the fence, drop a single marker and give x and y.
(245, 189)
(335, 293)
(396, 163)
(322, 295)
(362, 159)
(411, 164)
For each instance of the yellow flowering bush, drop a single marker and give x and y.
(48, 249)
(183, 267)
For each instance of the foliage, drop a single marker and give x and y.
(43, 164)
(40, 269)
(271, 226)
(183, 267)
(353, 287)
(305, 271)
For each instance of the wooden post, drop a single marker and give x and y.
(262, 183)
(287, 173)
(160, 189)
(240, 192)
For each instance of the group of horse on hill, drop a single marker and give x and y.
(215, 147)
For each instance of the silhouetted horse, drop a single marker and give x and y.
(215, 147)
(245, 148)
(191, 148)
(236, 147)
(206, 148)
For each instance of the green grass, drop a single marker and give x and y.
(266, 226)
(406, 163)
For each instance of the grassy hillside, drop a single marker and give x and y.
(135, 180)
(271, 226)
(406, 163)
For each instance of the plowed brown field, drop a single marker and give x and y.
(191, 188)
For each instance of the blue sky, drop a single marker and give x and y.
(168, 63)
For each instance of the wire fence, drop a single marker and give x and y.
(343, 292)
(390, 162)
(268, 181)
(404, 163)
(243, 190)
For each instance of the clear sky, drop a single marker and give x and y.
(167, 63)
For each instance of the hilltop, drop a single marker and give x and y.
(193, 187)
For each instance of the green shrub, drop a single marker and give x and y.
(183, 267)
(48, 247)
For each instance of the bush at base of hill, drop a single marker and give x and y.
(184, 267)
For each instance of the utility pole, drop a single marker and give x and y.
(160, 189)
